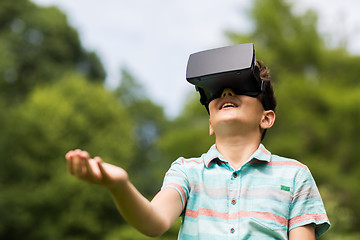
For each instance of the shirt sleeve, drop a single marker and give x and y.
(307, 206)
(176, 178)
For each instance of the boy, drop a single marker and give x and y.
(238, 189)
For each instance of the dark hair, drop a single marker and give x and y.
(269, 91)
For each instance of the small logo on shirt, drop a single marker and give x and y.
(285, 188)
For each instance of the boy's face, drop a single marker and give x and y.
(234, 113)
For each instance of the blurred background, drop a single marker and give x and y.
(63, 86)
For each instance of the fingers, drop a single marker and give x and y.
(76, 152)
(88, 169)
(99, 163)
(76, 162)
(94, 170)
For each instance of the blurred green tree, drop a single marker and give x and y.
(150, 123)
(40, 200)
(189, 132)
(37, 45)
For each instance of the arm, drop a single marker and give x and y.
(151, 218)
(306, 232)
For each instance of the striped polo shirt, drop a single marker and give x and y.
(264, 199)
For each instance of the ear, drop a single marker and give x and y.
(268, 119)
(211, 130)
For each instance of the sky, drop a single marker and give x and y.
(153, 39)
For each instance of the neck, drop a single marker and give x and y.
(237, 149)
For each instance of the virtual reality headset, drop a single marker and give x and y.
(233, 67)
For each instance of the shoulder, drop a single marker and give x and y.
(189, 166)
(192, 162)
(189, 161)
(303, 181)
(276, 161)
(287, 162)
(288, 167)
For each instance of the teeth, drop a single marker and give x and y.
(228, 105)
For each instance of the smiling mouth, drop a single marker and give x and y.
(228, 105)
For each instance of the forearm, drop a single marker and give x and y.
(138, 210)
(151, 218)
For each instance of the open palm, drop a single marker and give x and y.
(94, 170)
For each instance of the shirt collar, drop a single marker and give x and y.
(261, 154)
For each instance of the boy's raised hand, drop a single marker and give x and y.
(151, 218)
(94, 170)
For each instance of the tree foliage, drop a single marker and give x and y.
(37, 45)
(150, 123)
(54, 119)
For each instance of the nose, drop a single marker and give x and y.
(227, 93)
